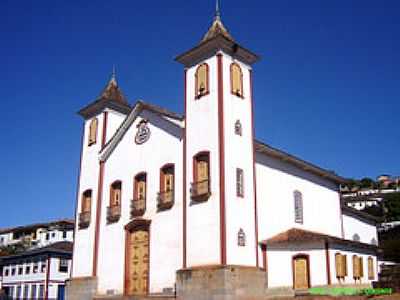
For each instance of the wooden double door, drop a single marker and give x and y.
(137, 262)
(301, 272)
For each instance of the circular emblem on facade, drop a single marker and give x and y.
(143, 133)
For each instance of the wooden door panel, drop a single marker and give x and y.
(301, 273)
(138, 263)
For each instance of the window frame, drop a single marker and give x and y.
(117, 184)
(167, 169)
(197, 93)
(92, 139)
(235, 93)
(201, 156)
(239, 182)
(63, 265)
(371, 269)
(298, 207)
(137, 212)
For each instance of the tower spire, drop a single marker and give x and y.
(113, 74)
(217, 10)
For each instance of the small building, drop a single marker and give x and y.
(37, 274)
(39, 234)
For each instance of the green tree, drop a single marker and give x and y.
(367, 183)
(392, 206)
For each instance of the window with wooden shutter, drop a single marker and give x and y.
(344, 257)
(236, 80)
(360, 263)
(201, 81)
(340, 265)
(371, 272)
(201, 175)
(298, 207)
(115, 193)
(86, 201)
(239, 183)
(166, 194)
(139, 197)
(356, 267)
(93, 132)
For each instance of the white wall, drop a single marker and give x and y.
(366, 231)
(276, 182)
(203, 219)
(349, 252)
(280, 268)
(127, 160)
(239, 154)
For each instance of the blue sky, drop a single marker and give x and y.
(327, 88)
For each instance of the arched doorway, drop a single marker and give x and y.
(301, 271)
(137, 254)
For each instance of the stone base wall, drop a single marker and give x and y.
(83, 288)
(221, 283)
(389, 277)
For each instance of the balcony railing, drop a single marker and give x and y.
(200, 191)
(113, 213)
(84, 219)
(165, 200)
(138, 207)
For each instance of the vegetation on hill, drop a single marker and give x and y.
(14, 249)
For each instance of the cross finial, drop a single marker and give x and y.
(217, 10)
(113, 74)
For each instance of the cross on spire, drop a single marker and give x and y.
(217, 10)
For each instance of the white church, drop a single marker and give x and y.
(193, 206)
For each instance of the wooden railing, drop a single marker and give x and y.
(113, 213)
(138, 207)
(84, 219)
(200, 191)
(165, 200)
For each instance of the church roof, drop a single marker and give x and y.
(216, 38)
(217, 28)
(111, 96)
(296, 235)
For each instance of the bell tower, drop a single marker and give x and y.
(220, 220)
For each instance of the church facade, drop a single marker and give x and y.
(165, 198)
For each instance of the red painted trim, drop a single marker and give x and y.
(265, 262)
(328, 264)
(46, 287)
(254, 165)
(77, 196)
(307, 257)
(98, 215)
(184, 230)
(104, 134)
(221, 159)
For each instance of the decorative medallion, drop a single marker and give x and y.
(143, 132)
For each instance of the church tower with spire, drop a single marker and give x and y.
(102, 117)
(219, 156)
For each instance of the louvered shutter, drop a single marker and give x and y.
(237, 85)
(201, 80)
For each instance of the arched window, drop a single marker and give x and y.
(356, 237)
(86, 204)
(201, 176)
(371, 271)
(114, 210)
(166, 194)
(238, 128)
(201, 81)
(93, 131)
(139, 196)
(298, 207)
(236, 80)
(86, 201)
(115, 193)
